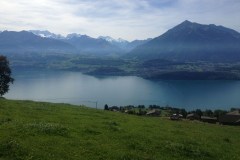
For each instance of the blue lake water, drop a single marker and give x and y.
(77, 88)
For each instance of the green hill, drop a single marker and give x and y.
(36, 130)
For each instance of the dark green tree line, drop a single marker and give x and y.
(5, 75)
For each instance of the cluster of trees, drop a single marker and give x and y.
(139, 110)
(212, 113)
(5, 75)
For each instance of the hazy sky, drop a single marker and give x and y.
(128, 19)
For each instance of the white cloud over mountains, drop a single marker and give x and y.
(129, 19)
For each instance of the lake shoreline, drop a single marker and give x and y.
(77, 88)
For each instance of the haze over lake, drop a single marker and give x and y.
(77, 88)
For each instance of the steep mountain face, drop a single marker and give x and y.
(47, 34)
(192, 42)
(112, 40)
(120, 43)
(125, 45)
(137, 43)
(73, 35)
(25, 42)
(89, 45)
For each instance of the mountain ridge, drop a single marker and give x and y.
(188, 41)
(120, 43)
(45, 41)
(24, 41)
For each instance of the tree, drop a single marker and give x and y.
(199, 112)
(218, 113)
(5, 75)
(141, 106)
(106, 107)
(208, 112)
(183, 112)
(234, 109)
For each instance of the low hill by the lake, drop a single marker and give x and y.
(193, 42)
(37, 130)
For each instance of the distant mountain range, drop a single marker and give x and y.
(117, 45)
(187, 42)
(192, 42)
(45, 42)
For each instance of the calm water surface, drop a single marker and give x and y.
(77, 88)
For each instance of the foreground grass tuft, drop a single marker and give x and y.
(37, 130)
(4, 120)
(47, 128)
(11, 149)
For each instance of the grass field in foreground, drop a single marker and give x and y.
(46, 131)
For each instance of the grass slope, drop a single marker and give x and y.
(33, 130)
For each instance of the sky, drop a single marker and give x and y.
(127, 19)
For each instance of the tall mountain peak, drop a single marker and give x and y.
(190, 41)
(186, 22)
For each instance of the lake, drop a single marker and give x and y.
(77, 88)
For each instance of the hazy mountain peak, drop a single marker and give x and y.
(123, 44)
(122, 40)
(74, 35)
(112, 40)
(46, 34)
(205, 30)
(107, 38)
(186, 22)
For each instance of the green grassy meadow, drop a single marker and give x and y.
(47, 131)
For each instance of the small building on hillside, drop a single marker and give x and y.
(126, 111)
(153, 112)
(231, 118)
(113, 108)
(193, 116)
(176, 116)
(208, 119)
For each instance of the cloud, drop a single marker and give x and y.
(129, 19)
